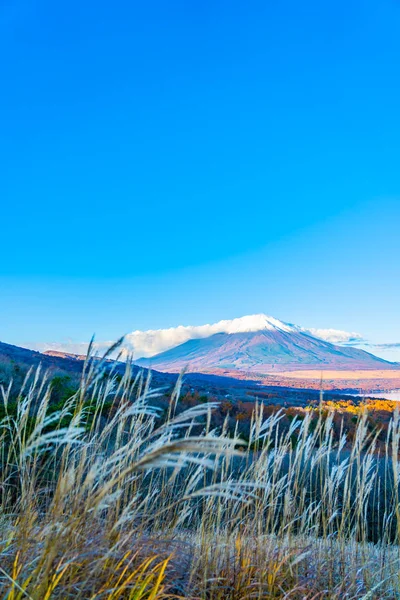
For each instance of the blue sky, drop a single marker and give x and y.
(175, 162)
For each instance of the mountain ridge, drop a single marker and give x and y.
(259, 343)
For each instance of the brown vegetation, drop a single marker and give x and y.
(136, 504)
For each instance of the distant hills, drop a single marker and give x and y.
(251, 354)
(262, 344)
(16, 361)
(15, 355)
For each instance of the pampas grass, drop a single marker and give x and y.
(130, 506)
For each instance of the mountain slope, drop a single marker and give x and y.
(15, 355)
(275, 345)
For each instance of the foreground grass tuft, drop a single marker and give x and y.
(101, 498)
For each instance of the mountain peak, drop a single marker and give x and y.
(251, 323)
(258, 343)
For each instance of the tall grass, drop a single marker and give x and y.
(126, 505)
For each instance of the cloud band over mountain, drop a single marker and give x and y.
(153, 341)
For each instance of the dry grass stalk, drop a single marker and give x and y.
(128, 508)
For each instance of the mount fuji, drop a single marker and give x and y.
(259, 344)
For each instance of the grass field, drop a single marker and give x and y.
(349, 375)
(129, 503)
(366, 381)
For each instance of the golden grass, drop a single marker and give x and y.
(132, 507)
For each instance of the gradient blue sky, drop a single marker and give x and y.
(168, 163)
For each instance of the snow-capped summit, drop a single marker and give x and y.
(257, 343)
(153, 341)
(250, 323)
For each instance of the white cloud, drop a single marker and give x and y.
(335, 336)
(390, 352)
(153, 341)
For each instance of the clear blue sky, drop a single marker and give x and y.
(182, 162)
